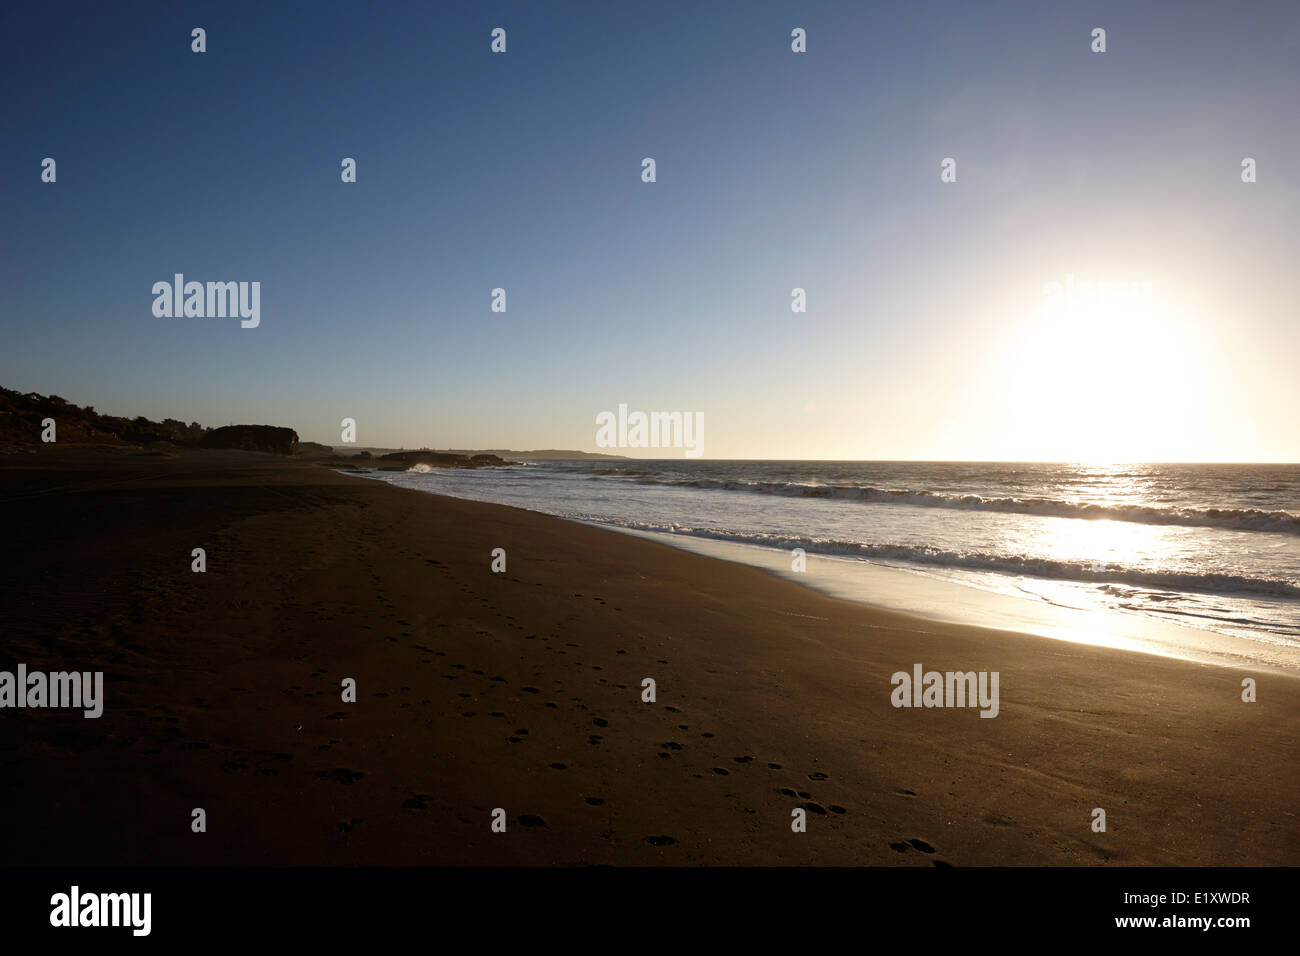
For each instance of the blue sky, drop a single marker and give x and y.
(775, 170)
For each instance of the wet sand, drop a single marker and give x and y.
(522, 691)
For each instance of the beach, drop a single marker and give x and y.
(522, 690)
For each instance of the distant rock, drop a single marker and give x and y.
(540, 454)
(266, 438)
(404, 460)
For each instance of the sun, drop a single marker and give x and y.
(1098, 369)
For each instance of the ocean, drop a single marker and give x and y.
(1207, 548)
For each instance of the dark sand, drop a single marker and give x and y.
(522, 691)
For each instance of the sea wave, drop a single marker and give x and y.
(1239, 519)
(1092, 572)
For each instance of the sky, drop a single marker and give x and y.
(936, 326)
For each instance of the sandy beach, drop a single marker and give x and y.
(522, 691)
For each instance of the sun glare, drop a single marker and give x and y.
(1100, 370)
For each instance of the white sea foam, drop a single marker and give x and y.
(1248, 519)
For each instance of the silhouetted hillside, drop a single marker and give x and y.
(22, 415)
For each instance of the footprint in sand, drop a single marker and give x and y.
(722, 772)
(817, 775)
(418, 802)
(742, 759)
(905, 793)
(914, 843)
(672, 745)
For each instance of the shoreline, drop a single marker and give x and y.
(929, 596)
(1134, 633)
(521, 690)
